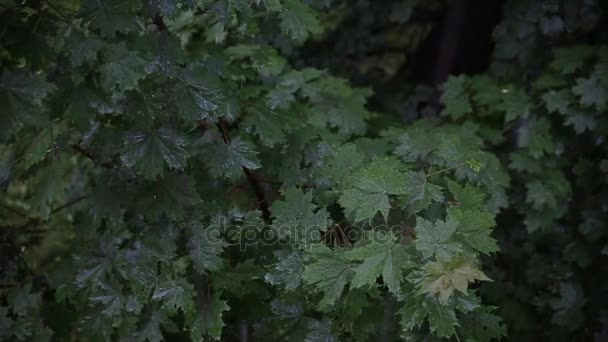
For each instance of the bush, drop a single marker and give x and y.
(197, 170)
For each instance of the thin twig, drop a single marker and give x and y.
(68, 204)
(36, 220)
(446, 169)
(15, 210)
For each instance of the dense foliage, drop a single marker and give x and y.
(280, 170)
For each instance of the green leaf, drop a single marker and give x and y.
(228, 160)
(371, 188)
(268, 125)
(338, 105)
(205, 246)
(557, 101)
(111, 300)
(111, 16)
(515, 104)
(244, 279)
(208, 321)
(341, 162)
(474, 228)
(382, 256)
(571, 59)
(170, 195)
(297, 217)
(442, 318)
(581, 122)
(83, 49)
(468, 197)
(288, 271)
(483, 325)
(592, 92)
(298, 21)
(152, 327)
(148, 153)
(486, 91)
(21, 96)
(455, 97)
(22, 300)
(416, 142)
(436, 238)
(175, 294)
(539, 195)
(363, 205)
(198, 95)
(421, 193)
(328, 272)
(122, 70)
(537, 137)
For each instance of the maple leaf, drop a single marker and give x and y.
(329, 272)
(468, 197)
(83, 49)
(436, 238)
(298, 20)
(288, 271)
(455, 97)
(445, 276)
(571, 59)
(557, 101)
(208, 321)
(591, 92)
(539, 196)
(581, 122)
(417, 142)
(341, 162)
(147, 153)
(175, 294)
(298, 217)
(371, 188)
(536, 136)
(421, 193)
(123, 69)
(483, 325)
(152, 329)
(170, 195)
(228, 160)
(515, 104)
(205, 246)
(486, 91)
(385, 256)
(21, 96)
(111, 299)
(269, 126)
(416, 308)
(111, 16)
(474, 228)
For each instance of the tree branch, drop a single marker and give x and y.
(68, 204)
(251, 177)
(14, 210)
(91, 156)
(36, 220)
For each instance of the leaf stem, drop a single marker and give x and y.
(446, 169)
